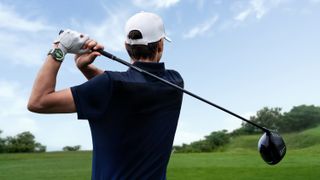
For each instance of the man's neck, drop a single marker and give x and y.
(145, 60)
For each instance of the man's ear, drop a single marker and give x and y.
(160, 46)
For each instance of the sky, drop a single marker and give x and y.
(241, 54)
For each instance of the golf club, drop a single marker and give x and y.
(271, 145)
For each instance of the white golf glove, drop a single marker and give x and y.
(70, 41)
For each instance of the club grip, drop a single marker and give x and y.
(106, 54)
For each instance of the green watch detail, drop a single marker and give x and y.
(57, 54)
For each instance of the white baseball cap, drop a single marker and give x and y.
(149, 25)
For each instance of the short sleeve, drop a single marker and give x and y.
(92, 97)
(177, 78)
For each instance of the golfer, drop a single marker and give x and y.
(132, 117)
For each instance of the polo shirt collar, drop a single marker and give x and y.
(152, 67)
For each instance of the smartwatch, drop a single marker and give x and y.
(57, 54)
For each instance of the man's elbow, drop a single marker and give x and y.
(35, 107)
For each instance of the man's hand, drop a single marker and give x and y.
(84, 60)
(70, 41)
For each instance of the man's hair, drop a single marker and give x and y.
(138, 52)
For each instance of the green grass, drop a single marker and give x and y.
(244, 165)
(240, 160)
(304, 139)
(45, 166)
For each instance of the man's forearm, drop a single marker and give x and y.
(90, 71)
(45, 82)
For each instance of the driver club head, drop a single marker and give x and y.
(271, 147)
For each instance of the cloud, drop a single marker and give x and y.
(11, 20)
(23, 48)
(155, 3)
(7, 90)
(23, 41)
(13, 114)
(201, 28)
(256, 8)
(110, 31)
(243, 15)
(48, 130)
(245, 10)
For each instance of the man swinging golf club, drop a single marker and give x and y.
(132, 117)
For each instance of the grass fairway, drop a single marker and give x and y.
(244, 165)
(240, 160)
(240, 164)
(46, 166)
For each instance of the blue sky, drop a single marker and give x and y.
(240, 54)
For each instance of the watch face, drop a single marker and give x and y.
(58, 54)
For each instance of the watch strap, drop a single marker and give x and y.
(57, 54)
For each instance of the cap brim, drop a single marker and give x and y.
(168, 39)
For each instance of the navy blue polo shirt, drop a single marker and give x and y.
(133, 119)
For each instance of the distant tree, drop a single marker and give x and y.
(201, 146)
(218, 138)
(243, 130)
(300, 118)
(23, 142)
(71, 148)
(40, 148)
(297, 119)
(211, 143)
(267, 117)
(2, 143)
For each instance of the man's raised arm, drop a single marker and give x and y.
(44, 98)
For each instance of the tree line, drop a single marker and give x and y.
(23, 142)
(297, 119)
(213, 142)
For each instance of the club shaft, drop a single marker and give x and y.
(110, 56)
